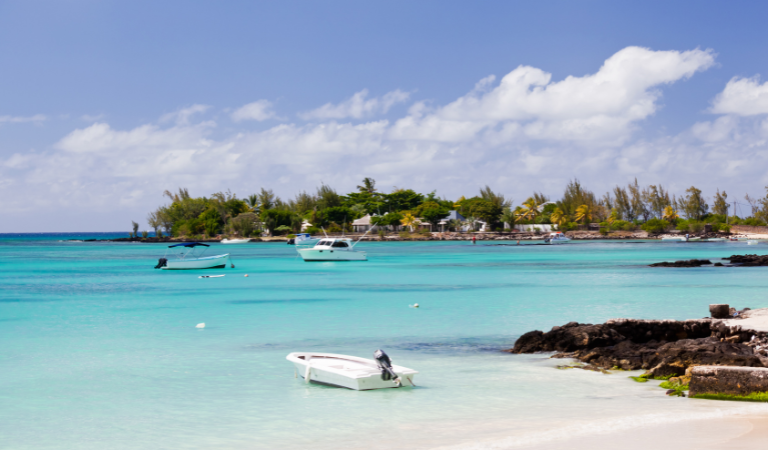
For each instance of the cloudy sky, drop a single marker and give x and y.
(104, 105)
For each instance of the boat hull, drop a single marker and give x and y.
(312, 254)
(326, 368)
(210, 262)
(235, 241)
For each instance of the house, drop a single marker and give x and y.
(452, 215)
(362, 224)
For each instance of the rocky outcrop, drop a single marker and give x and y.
(719, 311)
(662, 347)
(749, 260)
(669, 359)
(732, 381)
(683, 263)
(574, 336)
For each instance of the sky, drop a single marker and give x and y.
(104, 105)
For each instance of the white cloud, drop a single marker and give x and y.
(742, 97)
(21, 119)
(600, 106)
(182, 116)
(259, 110)
(358, 106)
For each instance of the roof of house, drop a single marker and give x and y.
(365, 220)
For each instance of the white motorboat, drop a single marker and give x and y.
(556, 238)
(235, 241)
(191, 258)
(673, 239)
(332, 249)
(351, 372)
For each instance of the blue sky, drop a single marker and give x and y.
(103, 105)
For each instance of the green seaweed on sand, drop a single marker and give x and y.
(753, 397)
(665, 377)
(642, 378)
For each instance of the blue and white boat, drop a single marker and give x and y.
(191, 257)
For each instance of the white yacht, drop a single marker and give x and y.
(556, 238)
(351, 372)
(332, 249)
(235, 241)
(191, 258)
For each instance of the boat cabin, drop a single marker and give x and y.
(335, 243)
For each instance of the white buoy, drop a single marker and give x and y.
(200, 325)
(415, 305)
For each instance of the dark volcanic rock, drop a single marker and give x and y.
(672, 358)
(574, 336)
(683, 263)
(719, 310)
(662, 347)
(749, 260)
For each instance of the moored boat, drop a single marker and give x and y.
(332, 249)
(191, 258)
(556, 238)
(235, 241)
(351, 372)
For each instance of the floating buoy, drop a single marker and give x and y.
(200, 325)
(415, 305)
(246, 275)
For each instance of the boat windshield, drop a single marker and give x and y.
(338, 244)
(322, 243)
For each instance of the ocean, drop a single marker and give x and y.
(99, 350)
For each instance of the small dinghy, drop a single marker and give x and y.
(190, 258)
(351, 372)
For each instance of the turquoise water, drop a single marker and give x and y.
(99, 350)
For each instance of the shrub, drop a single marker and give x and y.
(604, 231)
(696, 227)
(682, 226)
(655, 226)
(405, 235)
(619, 225)
(629, 227)
(312, 230)
(282, 229)
(723, 228)
(145, 234)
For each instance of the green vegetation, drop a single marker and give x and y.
(651, 208)
(753, 397)
(674, 386)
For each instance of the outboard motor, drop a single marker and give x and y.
(161, 263)
(291, 241)
(385, 364)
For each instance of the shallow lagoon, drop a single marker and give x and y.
(101, 351)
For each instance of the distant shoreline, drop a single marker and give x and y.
(447, 236)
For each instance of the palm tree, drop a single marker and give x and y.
(253, 202)
(558, 217)
(508, 217)
(470, 222)
(613, 217)
(369, 185)
(584, 213)
(455, 224)
(670, 215)
(409, 221)
(531, 209)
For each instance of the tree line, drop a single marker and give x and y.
(624, 207)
